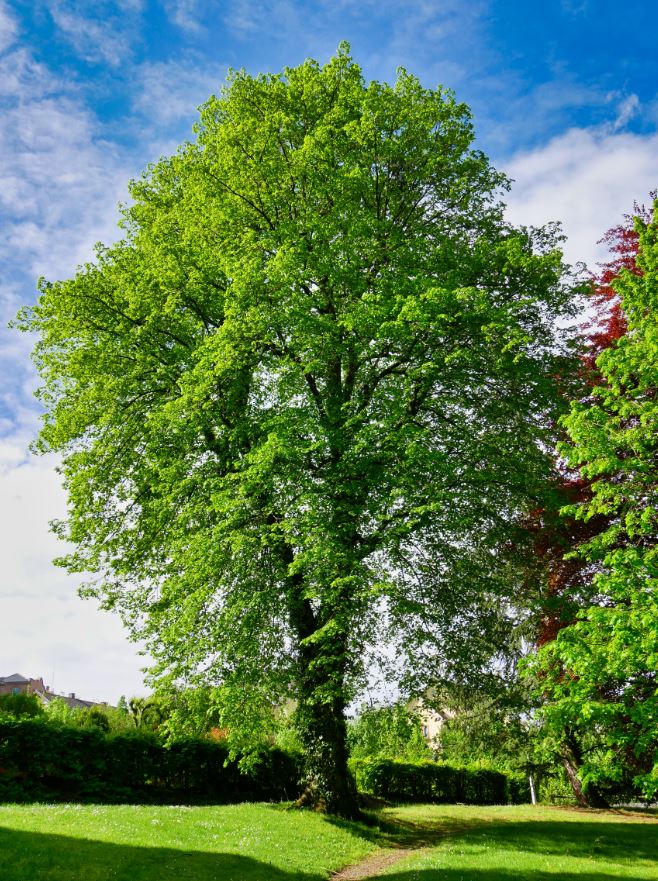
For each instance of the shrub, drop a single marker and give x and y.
(20, 705)
(437, 783)
(40, 760)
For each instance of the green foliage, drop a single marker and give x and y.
(42, 761)
(104, 718)
(190, 712)
(118, 718)
(304, 399)
(387, 732)
(96, 718)
(58, 711)
(20, 705)
(600, 676)
(436, 783)
(487, 732)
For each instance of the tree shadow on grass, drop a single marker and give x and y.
(501, 875)
(399, 831)
(611, 841)
(604, 844)
(32, 856)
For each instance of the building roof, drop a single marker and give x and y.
(46, 696)
(75, 703)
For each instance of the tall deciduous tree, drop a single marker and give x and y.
(601, 673)
(302, 401)
(566, 579)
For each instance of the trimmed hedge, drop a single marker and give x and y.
(40, 761)
(431, 782)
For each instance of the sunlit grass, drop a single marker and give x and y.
(269, 843)
(515, 843)
(135, 843)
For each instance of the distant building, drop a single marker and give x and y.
(17, 684)
(431, 719)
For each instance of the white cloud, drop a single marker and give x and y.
(45, 626)
(626, 110)
(422, 35)
(186, 14)
(107, 35)
(171, 91)
(8, 27)
(59, 184)
(586, 178)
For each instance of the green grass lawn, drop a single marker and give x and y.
(269, 843)
(542, 844)
(135, 843)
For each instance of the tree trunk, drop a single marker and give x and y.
(320, 714)
(329, 786)
(572, 760)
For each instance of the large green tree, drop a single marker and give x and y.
(601, 673)
(301, 402)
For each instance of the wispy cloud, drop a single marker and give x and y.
(167, 92)
(188, 14)
(8, 27)
(99, 32)
(59, 184)
(627, 108)
(59, 180)
(428, 37)
(576, 7)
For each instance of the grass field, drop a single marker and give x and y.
(135, 843)
(519, 843)
(269, 843)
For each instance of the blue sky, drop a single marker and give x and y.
(565, 99)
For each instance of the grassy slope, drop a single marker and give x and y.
(131, 843)
(518, 843)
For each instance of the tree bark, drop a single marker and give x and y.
(329, 786)
(572, 760)
(320, 714)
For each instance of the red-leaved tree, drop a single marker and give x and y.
(566, 581)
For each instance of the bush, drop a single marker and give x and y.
(42, 761)
(20, 705)
(437, 783)
(518, 788)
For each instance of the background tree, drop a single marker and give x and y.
(304, 400)
(600, 674)
(21, 705)
(390, 732)
(565, 580)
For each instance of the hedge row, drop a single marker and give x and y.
(429, 782)
(42, 761)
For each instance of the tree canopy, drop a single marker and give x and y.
(307, 396)
(601, 673)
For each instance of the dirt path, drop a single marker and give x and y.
(372, 866)
(414, 839)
